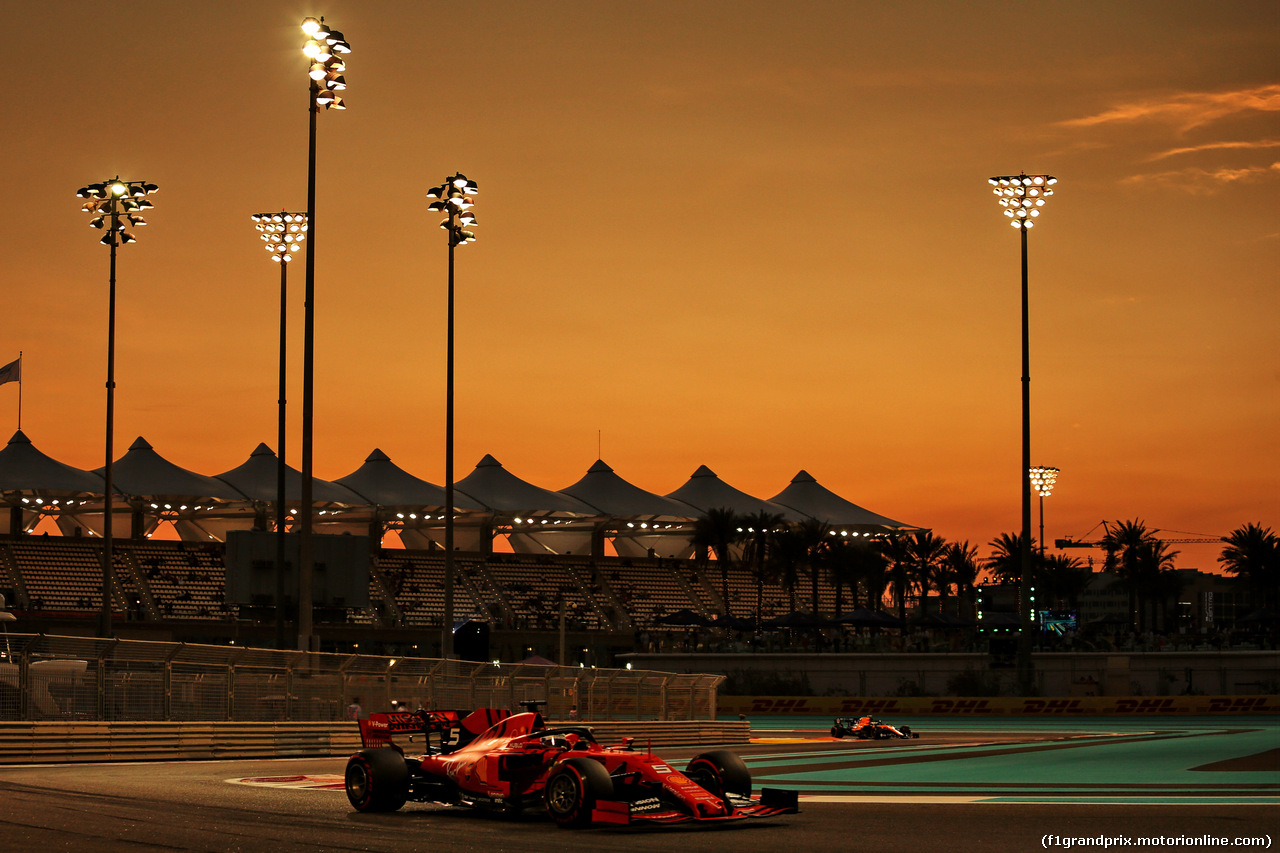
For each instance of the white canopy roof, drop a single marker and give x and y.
(705, 491)
(501, 491)
(380, 481)
(256, 479)
(144, 472)
(806, 495)
(611, 495)
(25, 469)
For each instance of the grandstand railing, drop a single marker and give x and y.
(45, 677)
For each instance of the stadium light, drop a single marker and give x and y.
(1022, 197)
(454, 199)
(1043, 479)
(325, 48)
(109, 202)
(282, 233)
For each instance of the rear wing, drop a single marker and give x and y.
(456, 728)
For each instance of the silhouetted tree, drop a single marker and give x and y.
(757, 539)
(1252, 553)
(717, 531)
(1125, 543)
(961, 569)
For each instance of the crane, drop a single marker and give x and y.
(1098, 543)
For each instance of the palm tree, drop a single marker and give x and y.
(1124, 543)
(1064, 580)
(897, 552)
(874, 572)
(1005, 563)
(717, 531)
(814, 538)
(1158, 582)
(1252, 553)
(961, 562)
(758, 535)
(788, 554)
(927, 553)
(842, 568)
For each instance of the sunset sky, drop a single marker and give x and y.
(753, 236)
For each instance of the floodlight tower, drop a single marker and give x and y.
(1043, 479)
(1022, 197)
(108, 201)
(282, 233)
(325, 48)
(453, 198)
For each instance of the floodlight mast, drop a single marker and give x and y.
(282, 233)
(107, 202)
(325, 47)
(1022, 197)
(453, 198)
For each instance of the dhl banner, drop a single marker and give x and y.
(1108, 706)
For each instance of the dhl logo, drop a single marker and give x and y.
(1052, 706)
(961, 706)
(1144, 706)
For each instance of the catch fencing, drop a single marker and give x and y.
(46, 677)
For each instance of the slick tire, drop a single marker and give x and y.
(573, 789)
(377, 780)
(721, 772)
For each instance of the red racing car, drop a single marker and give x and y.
(491, 758)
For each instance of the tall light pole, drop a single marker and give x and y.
(325, 47)
(1043, 479)
(1022, 196)
(282, 232)
(452, 198)
(108, 201)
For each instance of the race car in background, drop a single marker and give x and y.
(491, 758)
(868, 728)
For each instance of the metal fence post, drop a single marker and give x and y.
(24, 683)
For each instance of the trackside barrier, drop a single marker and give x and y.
(1108, 706)
(43, 742)
(63, 679)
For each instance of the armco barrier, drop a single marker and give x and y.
(57, 742)
(1110, 706)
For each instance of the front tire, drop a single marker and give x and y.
(573, 789)
(837, 732)
(377, 780)
(721, 772)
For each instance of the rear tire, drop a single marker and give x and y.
(721, 772)
(573, 789)
(837, 732)
(377, 780)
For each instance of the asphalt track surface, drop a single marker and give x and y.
(964, 785)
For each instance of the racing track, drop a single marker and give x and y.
(964, 785)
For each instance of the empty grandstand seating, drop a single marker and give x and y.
(168, 580)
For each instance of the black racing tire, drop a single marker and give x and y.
(573, 789)
(837, 732)
(377, 780)
(906, 731)
(721, 772)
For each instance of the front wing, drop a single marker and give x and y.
(773, 802)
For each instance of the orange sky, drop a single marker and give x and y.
(755, 236)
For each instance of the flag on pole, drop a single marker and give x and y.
(11, 372)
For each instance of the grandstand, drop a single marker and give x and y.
(178, 587)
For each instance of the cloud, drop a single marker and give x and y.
(1187, 110)
(1197, 180)
(1217, 146)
